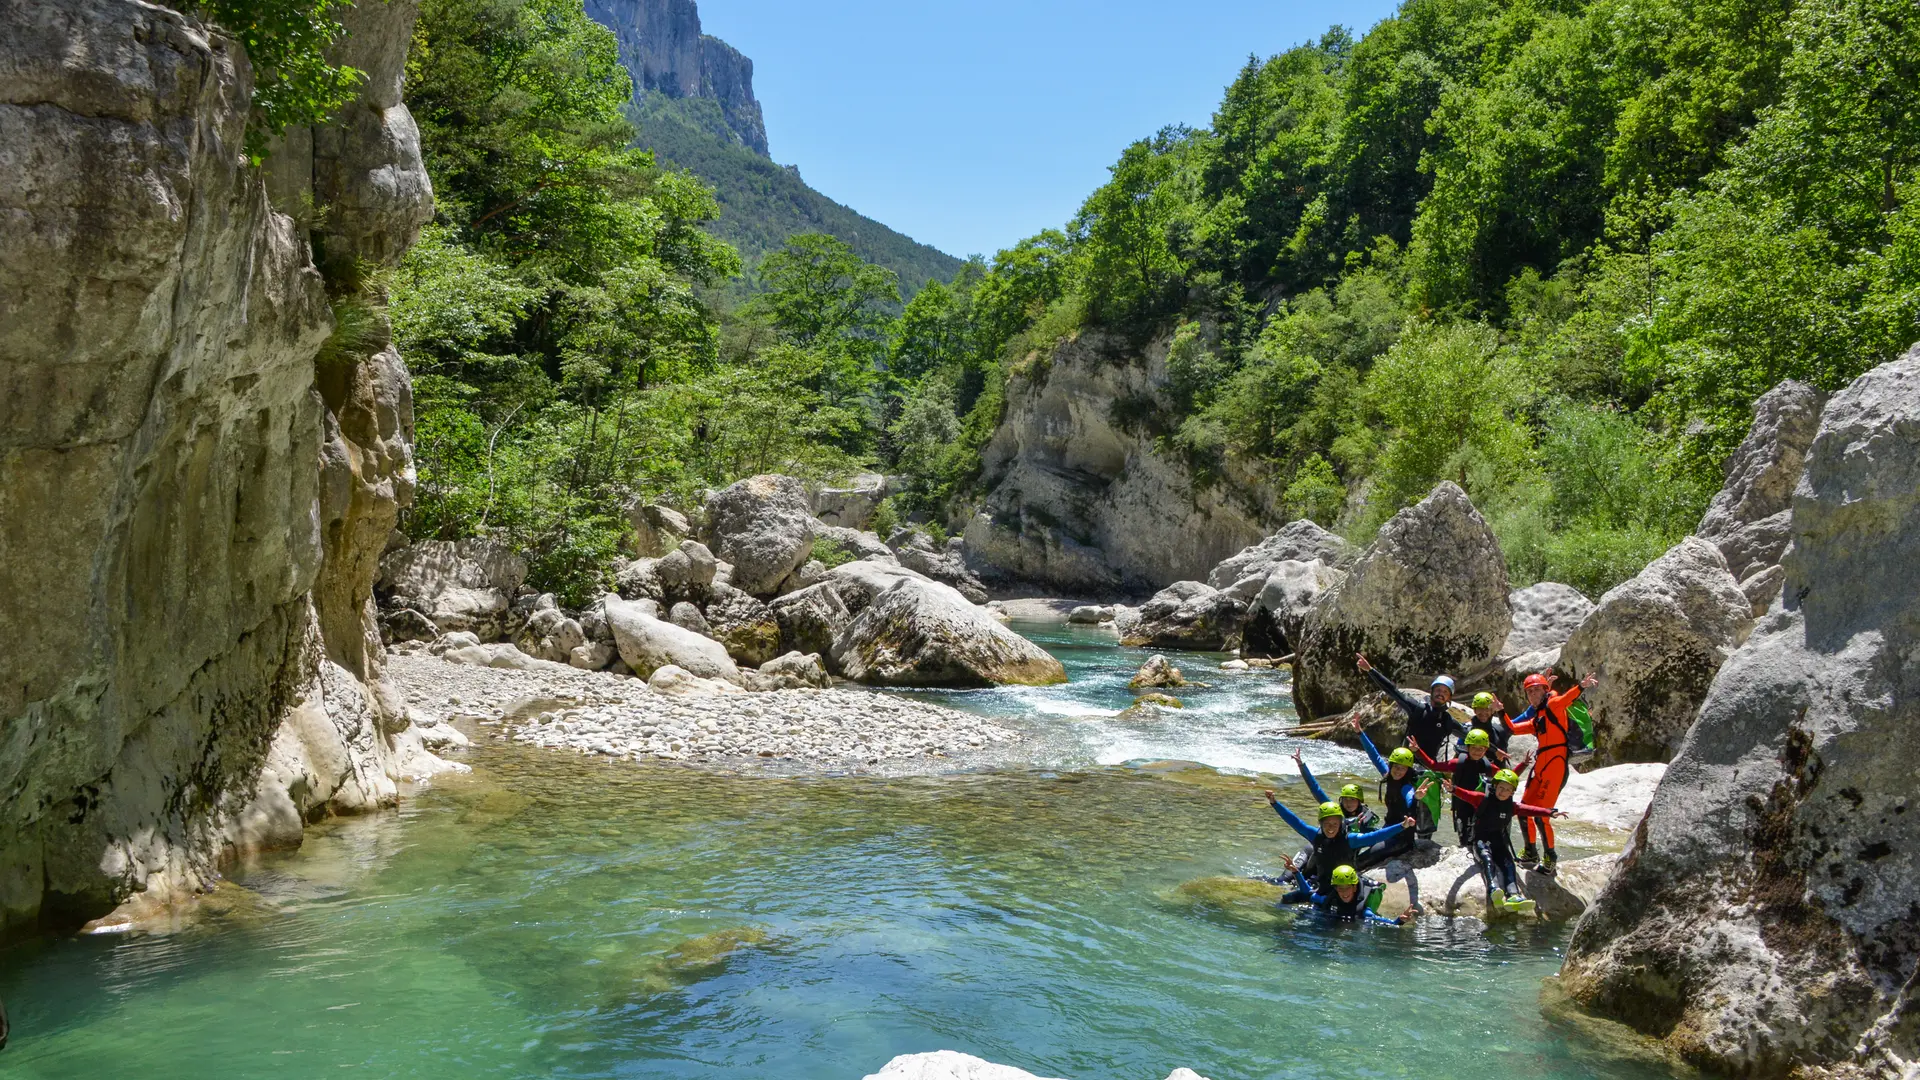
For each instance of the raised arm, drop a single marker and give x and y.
(1291, 818)
(1406, 703)
(1524, 810)
(1373, 752)
(1524, 723)
(1432, 765)
(1378, 836)
(1471, 798)
(1312, 784)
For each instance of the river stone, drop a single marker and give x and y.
(501, 655)
(593, 656)
(647, 644)
(1091, 614)
(796, 670)
(639, 580)
(687, 570)
(687, 617)
(1427, 597)
(1749, 519)
(1763, 921)
(810, 619)
(763, 526)
(675, 681)
(744, 625)
(1278, 617)
(550, 635)
(1186, 615)
(1157, 671)
(657, 529)
(923, 633)
(1656, 642)
(1296, 541)
(948, 1065)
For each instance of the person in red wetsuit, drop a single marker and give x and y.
(1545, 718)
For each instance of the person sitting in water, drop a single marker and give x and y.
(1399, 791)
(1360, 816)
(1470, 772)
(1328, 846)
(1490, 715)
(1493, 813)
(1348, 902)
(1545, 718)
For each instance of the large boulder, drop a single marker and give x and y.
(763, 527)
(1277, 620)
(923, 633)
(1185, 615)
(1427, 597)
(1656, 642)
(647, 644)
(811, 619)
(1762, 923)
(857, 544)
(550, 635)
(459, 584)
(1749, 519)
(1297, 541)
(1544, 617)
(860, 582)
(657, 529)
(851, 504)
(745, 626)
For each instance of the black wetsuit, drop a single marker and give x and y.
(1492, 838)
(1428, 724)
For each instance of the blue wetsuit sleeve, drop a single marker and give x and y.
(1312, 784)
(1376, 917)
(1409, 793)
(1293, 819)
(1378, 836)
(1374, 753)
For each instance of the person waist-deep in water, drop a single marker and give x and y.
(1492, 840)
(1546, 718)
(1353, 803)
(1329, 846)
(1471, 771)
(1348, 901)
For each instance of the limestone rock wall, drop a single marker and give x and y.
(183, 498)
(1763, 921)
(662, 47)
(1079, 501)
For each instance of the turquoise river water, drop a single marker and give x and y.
(558, 916)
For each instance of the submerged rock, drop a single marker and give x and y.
(1656, 642)
(1427, 597)
(922, 633)
(1762, 921)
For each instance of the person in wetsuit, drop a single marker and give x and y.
(1490, 715)
(1493, 814)
(1546, 719)
(1399, 793)
(1353, 803)
(1470, 772)
(1348, 901)
(1329, 846)
(1428, 724)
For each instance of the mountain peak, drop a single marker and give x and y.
(662, 46)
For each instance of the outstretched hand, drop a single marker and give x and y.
(1557, 812)
(1272, 799)
(1357, 725)
(1362, 662)
(1592, 680)
(1408, 915)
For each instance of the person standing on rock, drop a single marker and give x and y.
(1492, 836)
(1490, 716)
(1428, 725)
(1546, 718)
(1328, 847)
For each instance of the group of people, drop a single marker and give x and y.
(1349, 838)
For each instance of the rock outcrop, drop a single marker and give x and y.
(1749, 519)
(1297, 541)
(662, 47)
(744, 626)
(1427, 597)
(948, 566)
(1080, 500)
(458, 584)
(1545, 615)
(190, 507)
(763, 527)
(1656, 641)
(922, 633)
(1763, 920)
(851, 505)
(811, 618)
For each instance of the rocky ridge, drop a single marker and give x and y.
(662, 47)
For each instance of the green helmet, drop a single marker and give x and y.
(1401, 756)
(1331, 809)
(1483, 700)
(1479, 737)
(1346, 875)
(1352, 791)
(1507, 776)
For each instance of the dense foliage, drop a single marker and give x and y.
(1549, 250)
(293, 80)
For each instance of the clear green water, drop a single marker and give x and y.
(552, 916)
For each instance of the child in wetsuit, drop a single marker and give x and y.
(1348, 901)
(1353, 804)
(1493, 813)
(1470, 771)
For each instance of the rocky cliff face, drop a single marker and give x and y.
(664, 50)
(1764, 921)
(188, 503)
(1080, 501)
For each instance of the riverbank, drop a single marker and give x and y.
(598, 713)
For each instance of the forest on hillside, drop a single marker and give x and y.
(1550, 250)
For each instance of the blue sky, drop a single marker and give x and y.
(971, 125)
